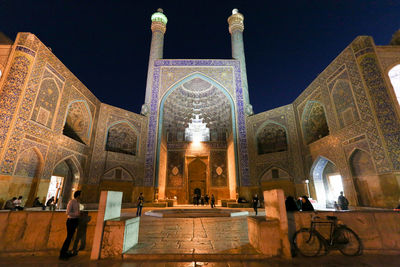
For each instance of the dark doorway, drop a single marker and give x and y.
(197, 172)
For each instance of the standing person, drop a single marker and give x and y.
(202, 200)
(212, 201)
(81, 232)
(306, 204)
(206, 199)
(255, 203)
(72, 223)
(140, 201)
(343, 202)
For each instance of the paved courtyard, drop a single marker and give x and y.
(218, 235)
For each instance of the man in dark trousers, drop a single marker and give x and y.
(72, 223)
(140, 201)
(212, 201)
(255, 203)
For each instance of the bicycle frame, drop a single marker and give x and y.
(333, 226)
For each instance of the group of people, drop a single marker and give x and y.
(203, 200)
(304, 204)
(14, 204)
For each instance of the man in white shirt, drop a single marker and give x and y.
(17, 203)
(72, 223)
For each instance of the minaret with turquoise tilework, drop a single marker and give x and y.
(236, 27)
(158, 28)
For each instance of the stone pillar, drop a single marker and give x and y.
(109, 208)
(236, 28)
(158, 28)
(275, 208)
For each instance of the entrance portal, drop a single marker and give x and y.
(63, 182)
(197, 176)
(327, 182)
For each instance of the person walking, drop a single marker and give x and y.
(343, 202)
(255, 203)
(140, 201)
(212, 201)
(72, 223)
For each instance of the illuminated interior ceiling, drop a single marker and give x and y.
(197, 97)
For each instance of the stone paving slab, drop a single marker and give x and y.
(208, 236)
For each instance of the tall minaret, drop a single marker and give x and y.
(158, 28)
(236, 28)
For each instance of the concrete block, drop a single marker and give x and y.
(131, 234)
(364, 225)
(3, 226)
(37, 231)
(58, 230)
(388, 226)
(119, 236)
(15, 230)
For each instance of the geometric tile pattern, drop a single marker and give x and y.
(156, 95)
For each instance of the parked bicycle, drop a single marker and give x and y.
(309, 242)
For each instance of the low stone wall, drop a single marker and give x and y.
(119, 236)
(37, 231)
(264, 235)
(379, 231)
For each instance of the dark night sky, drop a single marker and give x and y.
(287, 43)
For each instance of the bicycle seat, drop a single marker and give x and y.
(331, 218)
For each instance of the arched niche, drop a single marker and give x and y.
(29, 165)
(64, 181)
(271, 137)
(122, 137)
(343, 99)
(327, 182)
(394, 76)
(119, 179)
(313, 122)
(277, 178)
(46, 102)
(78, 121)
(364, 173)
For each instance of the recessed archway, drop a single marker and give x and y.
(327, 182)
(196, 105)
(64, 181)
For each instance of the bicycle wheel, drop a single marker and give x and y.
(307, 243)
(347, 241)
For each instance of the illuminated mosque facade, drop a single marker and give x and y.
(197, 133)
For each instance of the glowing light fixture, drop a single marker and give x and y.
(159, 16)
(197, 131)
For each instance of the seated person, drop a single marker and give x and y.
(10, 204)
(50, 203)
(242, 200)
(18, 203)
(37, 203)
